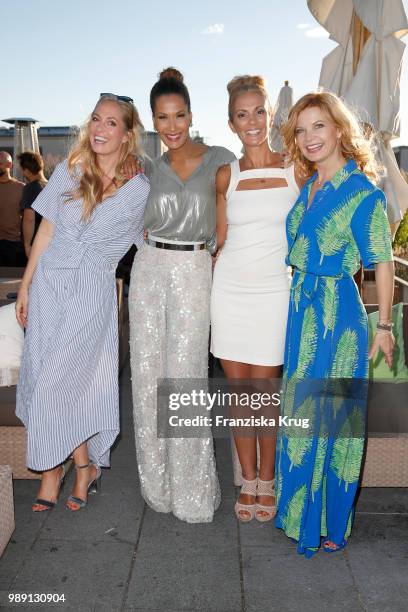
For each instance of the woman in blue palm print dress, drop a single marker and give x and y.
(338, 220)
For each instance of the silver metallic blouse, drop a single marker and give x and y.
(185, 211)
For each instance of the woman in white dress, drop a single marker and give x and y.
(250, 294)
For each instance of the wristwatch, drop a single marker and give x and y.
(385, 326)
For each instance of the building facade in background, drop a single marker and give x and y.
(55, 142)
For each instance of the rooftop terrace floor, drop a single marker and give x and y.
(117, 554)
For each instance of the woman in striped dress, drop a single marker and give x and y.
(68, 391)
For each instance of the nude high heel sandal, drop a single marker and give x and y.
(265, 487)
(246, 512)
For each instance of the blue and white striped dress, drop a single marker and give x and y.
(68, 388)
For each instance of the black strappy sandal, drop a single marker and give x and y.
(93, 487)
(46, 503)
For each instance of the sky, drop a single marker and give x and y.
(61, 55)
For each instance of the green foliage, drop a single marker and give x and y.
(348, 450)
(289, 390)
(349, 525)
(297, 290)
(401, 237)
(319, 465)
(330, 302)
(362, 316)
(295, 218)
(293, 515)
(351, 259)
(339, 178)
(299, 445)
(332, 233)
(379, 234)
(308, 342)
(346, 358)
(299, 252)
(278, 486)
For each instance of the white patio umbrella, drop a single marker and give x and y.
(365, 71)
(282, 108)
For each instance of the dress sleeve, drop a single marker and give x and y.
(225, 156)
(140, 193)
(48, 201)
(371, 230)
(148, 165)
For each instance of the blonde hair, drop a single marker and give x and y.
(90, 188)
(355, 142)
(242, 84)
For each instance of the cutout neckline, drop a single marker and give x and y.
(282, 180)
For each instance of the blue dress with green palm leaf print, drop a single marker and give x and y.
(327, 338)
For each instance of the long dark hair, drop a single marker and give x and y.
(171, 81)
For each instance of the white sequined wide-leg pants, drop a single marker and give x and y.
(169, 327)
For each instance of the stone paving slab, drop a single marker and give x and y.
(88, 573)
(377, 499)
(376, 528)
(113, 513)
(289, 583)
(264, 535)
(124, 456)
(380, 570)
(118, 554)
(28, 527)
(137, 609)
(188, 567)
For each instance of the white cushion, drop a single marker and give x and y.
(11, 338)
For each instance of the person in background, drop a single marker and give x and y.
(169, 304)
(32, 167)
(11, 246)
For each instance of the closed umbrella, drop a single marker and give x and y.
(282, 108)
(365, 71)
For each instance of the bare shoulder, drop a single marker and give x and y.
(278, 160)
(222, 179)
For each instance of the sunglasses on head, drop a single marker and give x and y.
(121, 98)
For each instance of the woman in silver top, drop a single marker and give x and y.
(169, 305)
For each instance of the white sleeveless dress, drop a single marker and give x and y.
(250, 293)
